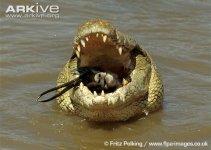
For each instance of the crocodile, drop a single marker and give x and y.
(99, 44)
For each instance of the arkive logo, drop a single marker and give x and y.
(32, 9)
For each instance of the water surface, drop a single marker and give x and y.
(177, 34)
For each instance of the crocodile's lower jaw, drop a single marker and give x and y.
(102, 101)
(116, 106)
(112, 112)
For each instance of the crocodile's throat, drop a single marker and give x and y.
(100, 50)
(101, 46)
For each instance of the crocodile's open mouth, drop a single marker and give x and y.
(103, 47)
(100, 45)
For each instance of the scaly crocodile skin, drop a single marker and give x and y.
(144, 94)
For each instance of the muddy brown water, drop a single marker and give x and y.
(177, 34)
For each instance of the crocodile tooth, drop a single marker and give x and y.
(146, 112)
(87, 39)
(97, 35)
(102, 93)
(124, 82)
(120, 50)
(77, 53)
(81, 85)
(117, 36)
(104, 38)
(79, 48)
(83, 43)
(95, 93)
